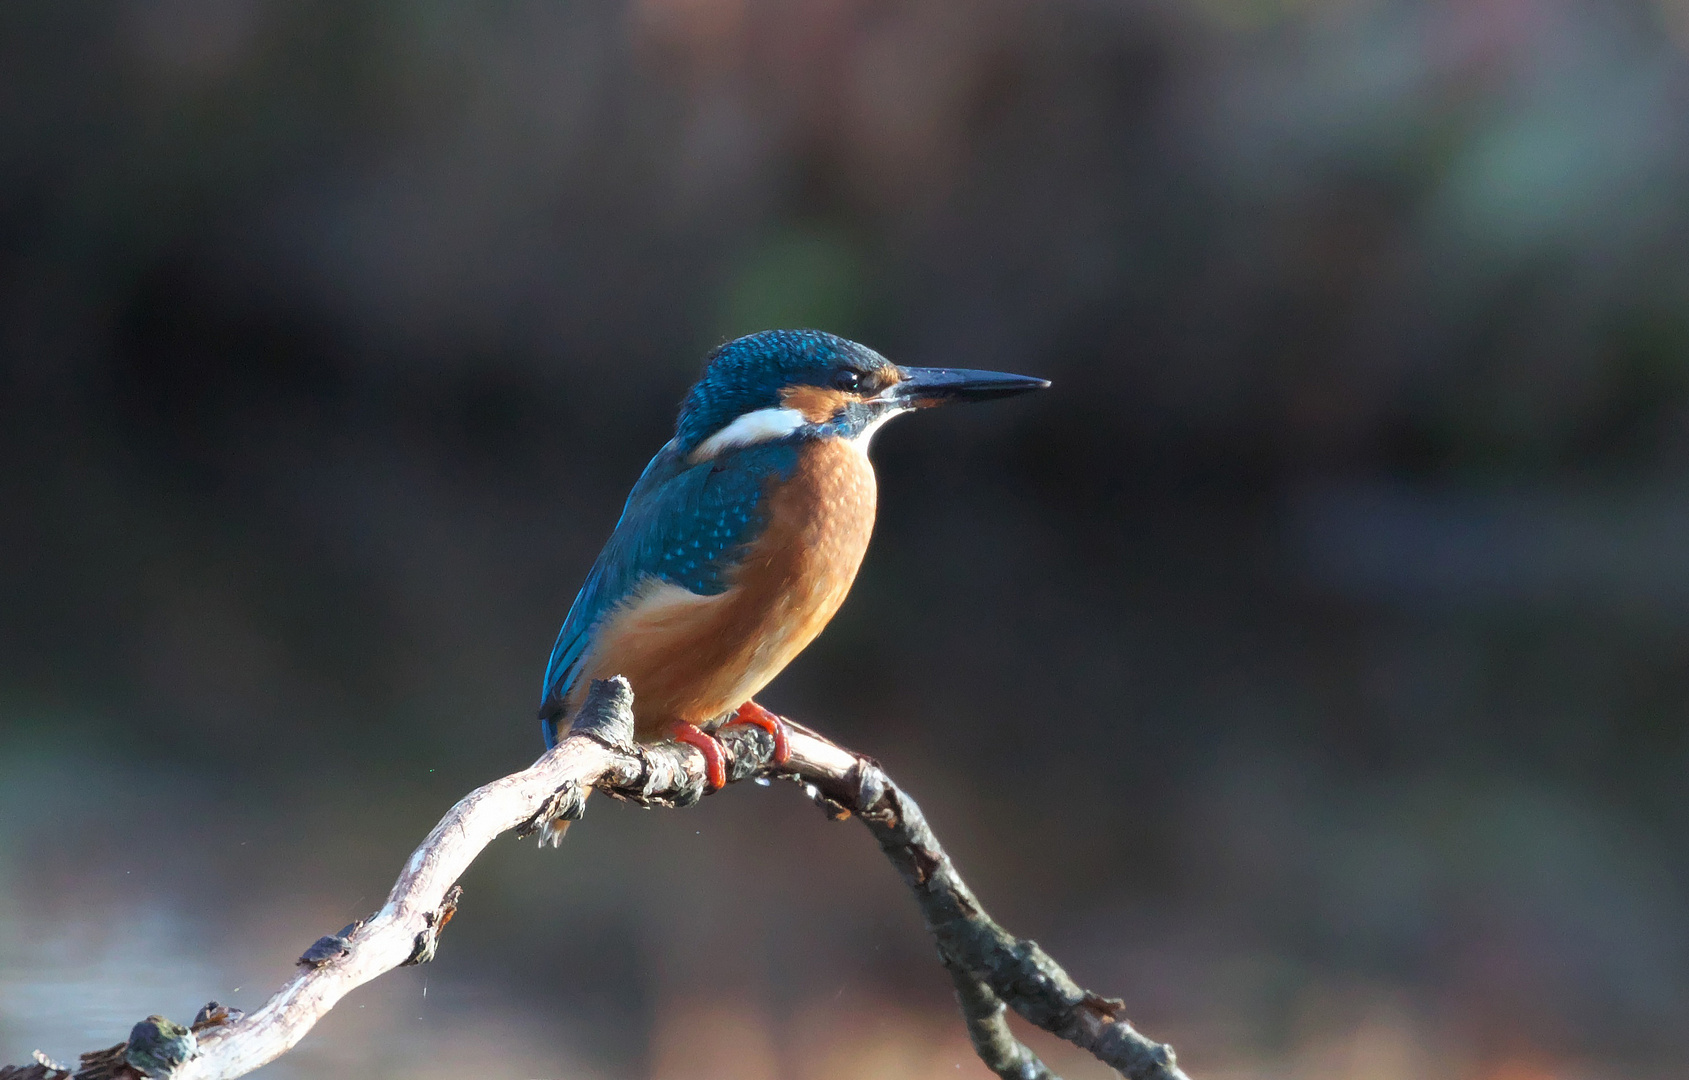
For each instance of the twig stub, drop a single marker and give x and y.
(992, 970)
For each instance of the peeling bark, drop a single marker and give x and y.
(993, 970)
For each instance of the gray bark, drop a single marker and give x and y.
(993, 971)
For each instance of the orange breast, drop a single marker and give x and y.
(694, 658)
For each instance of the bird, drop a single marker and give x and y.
(740, 540)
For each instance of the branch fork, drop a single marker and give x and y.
(992, 970)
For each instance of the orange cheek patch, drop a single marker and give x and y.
(817, 403)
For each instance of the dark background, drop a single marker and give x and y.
(1307, 667)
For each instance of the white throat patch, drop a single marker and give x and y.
(763, 425)
(866, 435)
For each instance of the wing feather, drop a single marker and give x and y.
(683, 524)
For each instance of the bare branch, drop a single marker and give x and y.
(983, 958)
(991, 968)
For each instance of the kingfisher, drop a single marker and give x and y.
(741, 538)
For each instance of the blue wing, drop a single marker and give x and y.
(683, 524)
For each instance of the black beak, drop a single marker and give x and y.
(924, 386)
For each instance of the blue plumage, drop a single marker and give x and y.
(748, 373)
(689, 523)
(683, 524)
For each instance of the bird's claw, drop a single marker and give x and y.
(715, 762)
(757, 716)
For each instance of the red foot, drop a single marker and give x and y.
(715, 766)
(757, 716)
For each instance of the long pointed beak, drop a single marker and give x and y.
(925, 386)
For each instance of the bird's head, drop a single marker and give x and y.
(781, 383)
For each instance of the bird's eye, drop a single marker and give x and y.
(846, 379)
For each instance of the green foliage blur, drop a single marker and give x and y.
(1308, 667)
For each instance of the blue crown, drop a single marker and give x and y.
(748, 373)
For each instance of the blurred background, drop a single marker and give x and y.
(1308, 667)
